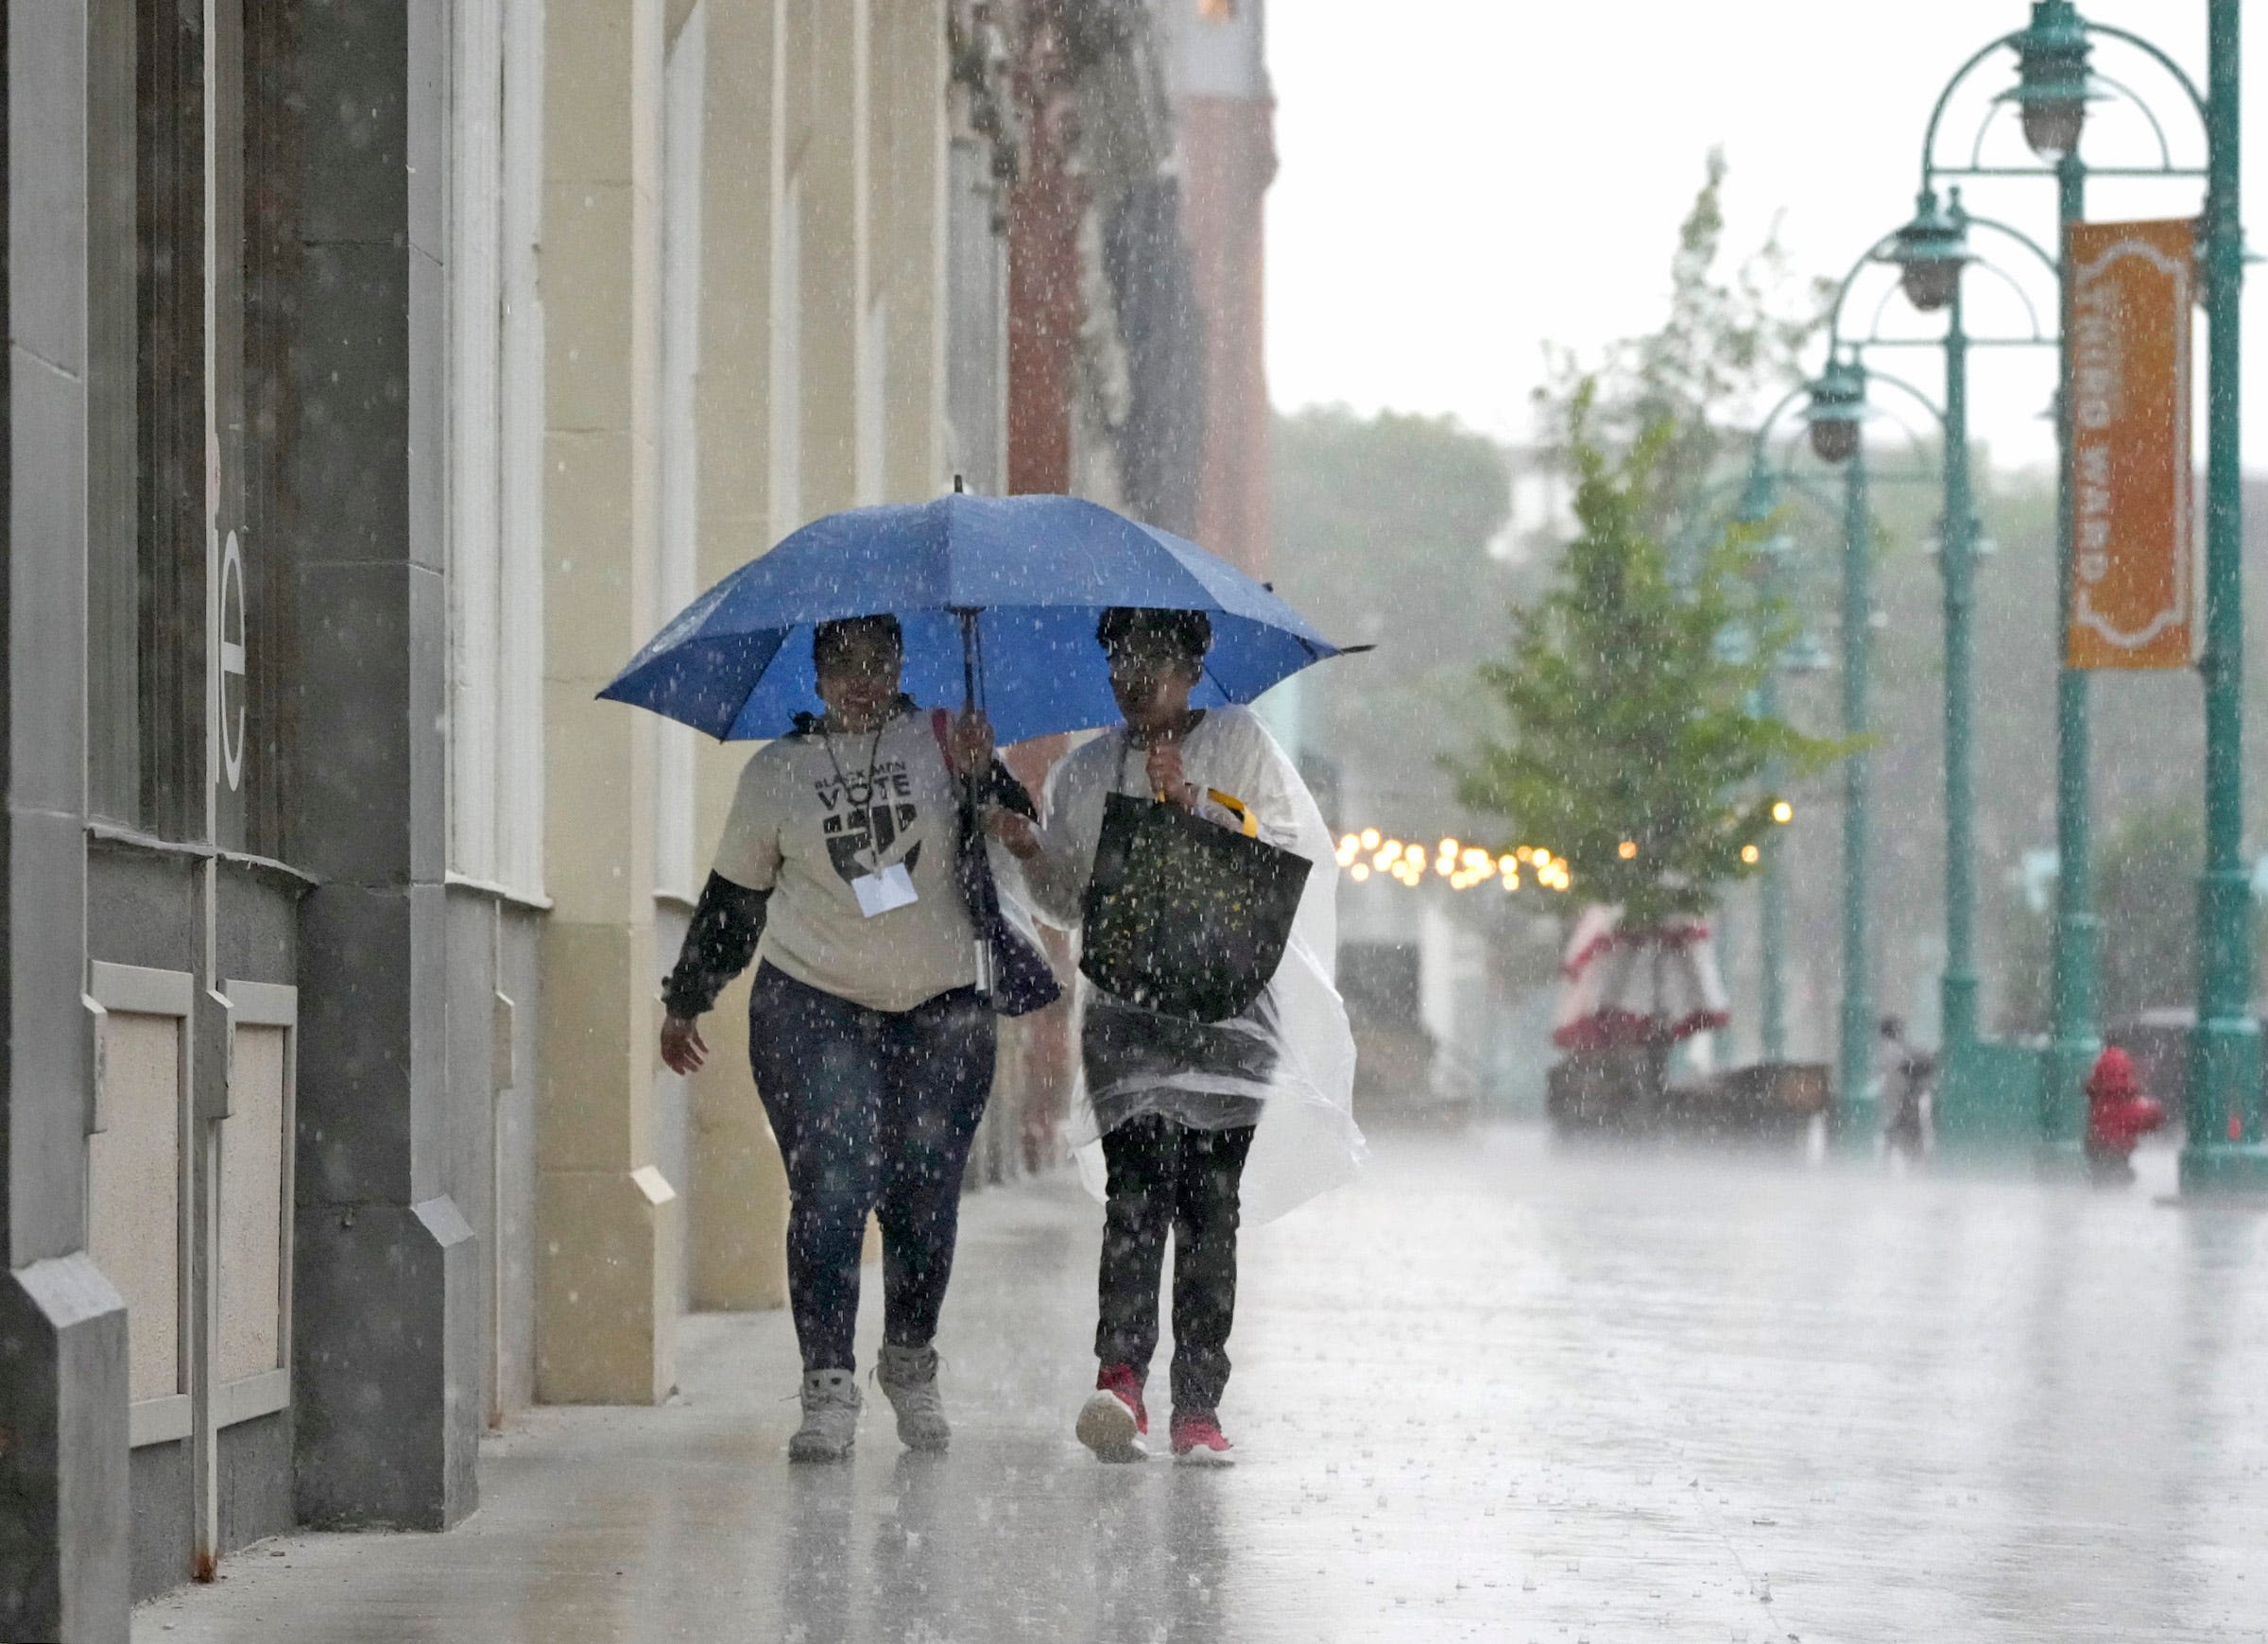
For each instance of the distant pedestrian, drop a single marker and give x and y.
(1905, 1074)
(1177, 1104)
(2119, 1115)
(872, 1049)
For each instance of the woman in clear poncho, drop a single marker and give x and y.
(1185, 1126)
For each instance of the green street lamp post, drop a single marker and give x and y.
(1758, 503)
(1838, 406)
(2225, 1147)
(1932, 252)
(1834, 408)
(2055, 85)
(2074, 992)
(1836, 415)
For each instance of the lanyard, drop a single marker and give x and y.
(873, 763)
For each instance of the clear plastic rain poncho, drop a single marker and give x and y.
(1289, 1061)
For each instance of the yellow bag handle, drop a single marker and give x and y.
(1236, 808)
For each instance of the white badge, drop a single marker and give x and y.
(877, 893)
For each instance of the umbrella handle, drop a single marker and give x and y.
(969, 661)
(972, 697)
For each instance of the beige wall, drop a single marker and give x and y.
(855, 110)
(737, 1196)
(849, 98)
(606, 1296)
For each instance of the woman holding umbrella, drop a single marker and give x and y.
(1177, 1106)
(872, 1045)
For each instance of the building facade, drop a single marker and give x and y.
(381, 374)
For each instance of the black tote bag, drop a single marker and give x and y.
(1183, 917)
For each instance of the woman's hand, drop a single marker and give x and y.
(1166, 779)
(684, 1050)
(968, 745)
(1013, 831)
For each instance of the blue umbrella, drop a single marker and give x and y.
(998, 594)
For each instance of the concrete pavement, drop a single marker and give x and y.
(1494, 1392)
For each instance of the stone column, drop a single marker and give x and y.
(737, 1199)
(838, 282)
(63, 1513)
(911, 73)
(605, 1291)
(386, 1367)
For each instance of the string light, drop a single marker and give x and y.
(1465, 866)
(1468, 866)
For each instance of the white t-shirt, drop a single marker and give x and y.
(816, 813)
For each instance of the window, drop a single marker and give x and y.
(148, 746)
(193, 280)
(495, 433)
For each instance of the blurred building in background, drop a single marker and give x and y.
(1133, 363)
(1225, 112)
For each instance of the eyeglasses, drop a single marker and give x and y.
(1143, 650)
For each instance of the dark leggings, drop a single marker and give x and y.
(873, 1111)
(1162, 1175)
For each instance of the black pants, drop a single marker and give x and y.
(1162, 1175)
(873, 1111)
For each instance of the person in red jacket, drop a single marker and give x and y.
(2118, 1117)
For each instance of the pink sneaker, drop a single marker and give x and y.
(1199, 1442)
(1112, 1420)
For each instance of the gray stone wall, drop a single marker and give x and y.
(387, 1320)
(63, 1525)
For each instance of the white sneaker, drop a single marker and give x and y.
(1111, 1421)
(831, 1406)
(909, 1380)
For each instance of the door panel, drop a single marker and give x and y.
(252, 1235)
(138, 1182)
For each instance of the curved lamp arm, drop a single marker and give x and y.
(1834, 313)
(1929, 137)
(2173, 70)
(2179, 75)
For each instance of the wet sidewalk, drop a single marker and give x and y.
(1492, 1393)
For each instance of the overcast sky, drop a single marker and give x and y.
(1463, 180)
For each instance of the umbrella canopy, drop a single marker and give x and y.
(1651, 985)
(1021, 580)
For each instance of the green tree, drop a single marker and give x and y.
(1635, 751)
(1731, 339)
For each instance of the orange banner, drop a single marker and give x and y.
(2132, 302)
